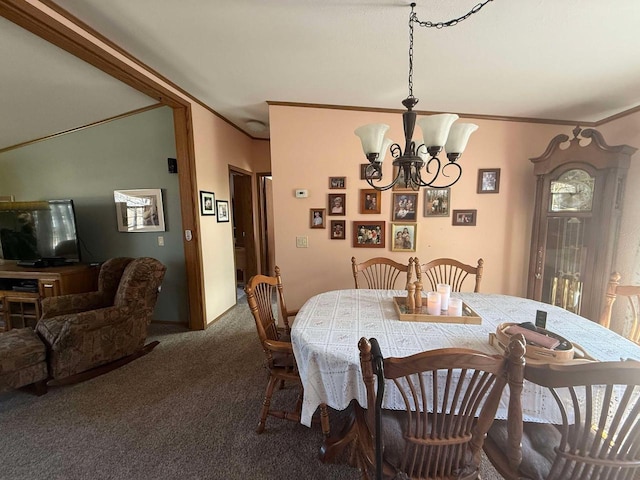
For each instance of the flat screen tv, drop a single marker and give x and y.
(39, 230)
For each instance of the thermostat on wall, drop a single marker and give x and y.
(301, 193)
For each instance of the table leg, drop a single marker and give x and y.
(353, 444)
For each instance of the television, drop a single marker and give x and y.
(42, 230)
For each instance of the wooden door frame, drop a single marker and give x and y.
(36, 21)
(262, 218)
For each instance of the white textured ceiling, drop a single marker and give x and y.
(44, 90)
(569, 60)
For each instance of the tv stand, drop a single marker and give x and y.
(22, 289)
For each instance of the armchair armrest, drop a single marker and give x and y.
(58, 331)
(278, 346)
(74, 303)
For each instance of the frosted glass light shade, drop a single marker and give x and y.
(459, 136)
(371, 136)
(422, 153)
(386, 143)
(435, 128)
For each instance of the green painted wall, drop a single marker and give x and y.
(87, 166)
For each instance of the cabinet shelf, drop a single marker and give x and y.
(21, 309)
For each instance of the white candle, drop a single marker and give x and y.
(433, 303)
(455, 307)
(445, 291)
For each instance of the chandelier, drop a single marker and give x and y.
(438, 132)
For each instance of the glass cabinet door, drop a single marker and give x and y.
(566, 255)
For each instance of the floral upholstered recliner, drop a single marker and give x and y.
(86, 330)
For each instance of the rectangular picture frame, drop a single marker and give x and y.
(368, 234)
(403, 237)
(317, 218)
(207, 203)
(437, 202)
(139, 210)
(367, 167)
(337, 183)
(399, 186)
(404, 207)
(222, 209)
(488, 180)
(338, 230)
(337, 204)
(465, 218)
(370, 200)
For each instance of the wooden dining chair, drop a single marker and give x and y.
(381, 273)
(449, 271)
(600, 433)
(450, 396)
(262, 291)
(632, 293)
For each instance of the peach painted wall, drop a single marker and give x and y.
(261, 155)
(214, 139)
(310, 144)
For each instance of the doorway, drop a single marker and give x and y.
(244, 241)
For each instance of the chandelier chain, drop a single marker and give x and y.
(411, 52)
(449, 23)
(413, 18)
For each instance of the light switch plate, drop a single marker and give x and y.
(302, 193)
(302, 242)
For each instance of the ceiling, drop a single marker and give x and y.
(570, 60)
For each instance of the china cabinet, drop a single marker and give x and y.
(578, 205)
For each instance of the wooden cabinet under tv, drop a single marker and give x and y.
(22, 289)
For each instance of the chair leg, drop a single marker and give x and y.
(266, 403)
(324, 420)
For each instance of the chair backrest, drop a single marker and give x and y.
(632, 293)
(450, 396)
(261, 292)
(110, 274)
(139, 284)
(449, 271)
(381, 273)
(600, 407)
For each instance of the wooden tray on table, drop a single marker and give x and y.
(565, 353)
(469, 316)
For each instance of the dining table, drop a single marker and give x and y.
(328, 326)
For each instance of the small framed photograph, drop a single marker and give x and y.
(317, 217)
(368, 234)
(367, 168)
(222, 207)
(207, 203)
(464, 217)
(488, 180)
(337, 204)
(403, 237)
(400, 184)
(404, 207)
(338, 228)
(437, 202)
(337, 183)
(139, 210)
(370, 200)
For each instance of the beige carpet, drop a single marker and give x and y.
(187, 410)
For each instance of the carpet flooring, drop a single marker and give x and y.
(187, 410)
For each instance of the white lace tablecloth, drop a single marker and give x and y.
(327, 329)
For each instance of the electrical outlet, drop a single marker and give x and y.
(160, 241)
(302, 242)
